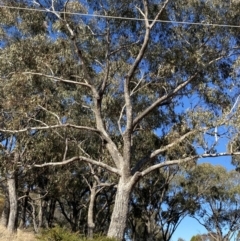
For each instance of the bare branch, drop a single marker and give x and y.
(144, 160)
(47, 127)
(59, 79)
(167, 163)
(36, 120)
(44, 124)
(22, 197)
(65, 9)
(87, 182)
(104, 82)
(159, 13)
(53, 8)
(80, 158)
(141, 12)
(127, 97)
(52, 113)
(136, 86)
(41, 197)
(143, 47)
(162, 99)
(177, 141)
(170, 95)
(79, 146)
(234, 107)
(99, 183)
(49, 68)
(119, 119)
(184, 160)
(218, 154)
(66, 149)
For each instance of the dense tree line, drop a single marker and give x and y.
(107, 106)
(158, 204)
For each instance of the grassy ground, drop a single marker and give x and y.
(19, 236)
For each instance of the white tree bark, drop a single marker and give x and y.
(91, 223)
(12, 220)
(120, 210)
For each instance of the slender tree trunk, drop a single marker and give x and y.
(5, 212)
(40, 213)
(52, 207)
(120, 210)
(12, 220)
(74, 219)
(24, 211)
(35, 226)
(91, 224)
(43, 214)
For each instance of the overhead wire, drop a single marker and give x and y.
(123, 18)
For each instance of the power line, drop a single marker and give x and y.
(124, 18)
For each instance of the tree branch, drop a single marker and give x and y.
(80, 158)
(177, 141)
(50, 127)
(127, 94)
(143, 47)
(167, 163)
(52, 113)
(59, 79)
(179, 161)
(144, 160)
(162, 99)
(104, 82)
(159, 13)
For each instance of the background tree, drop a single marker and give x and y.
(219, 200)
(158, 205)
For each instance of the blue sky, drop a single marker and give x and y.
(188, 228)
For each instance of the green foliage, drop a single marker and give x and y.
(58, 234)
(62, 234)
(205, 237)
(196, 238)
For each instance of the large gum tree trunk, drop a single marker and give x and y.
(120, 210)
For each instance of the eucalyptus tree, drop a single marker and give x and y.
(200, 237)
(158, 205)
(129, 73)
(218, 200)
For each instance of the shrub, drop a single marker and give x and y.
(58, 234)
(63, 234)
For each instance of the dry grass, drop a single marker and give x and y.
(19, 236)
